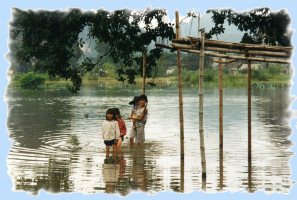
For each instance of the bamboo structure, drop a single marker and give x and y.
(201, 130)
(238, 51)
(231, 45)
(180, 92)
(226, 55)
(221, 103)
(247, 52)
(143, 71)
(249, 112)
(221, 121)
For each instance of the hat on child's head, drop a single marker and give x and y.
(143, 97)
(135, 99)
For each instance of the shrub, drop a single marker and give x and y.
(194, 77)
(209, 75)
(31, 81)
(260, 75)
(274, 69)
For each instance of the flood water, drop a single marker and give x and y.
(57, 144)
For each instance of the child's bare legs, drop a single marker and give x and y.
(107, 151)
(119, 143)
(114, 147)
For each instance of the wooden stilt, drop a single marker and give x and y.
(180, 91)
(249, 120)
(181, 115)
(221, 121)
(201, 130)
(143, 71)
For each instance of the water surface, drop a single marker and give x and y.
(57, 144)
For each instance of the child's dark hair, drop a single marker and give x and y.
(117, 112)
(110, 111)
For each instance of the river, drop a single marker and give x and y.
(57, 144)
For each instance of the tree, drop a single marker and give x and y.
(49, 40)
(260, 25)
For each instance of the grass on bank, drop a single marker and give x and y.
(260, 78)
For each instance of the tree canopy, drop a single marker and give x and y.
(49, 40)
(260, 25)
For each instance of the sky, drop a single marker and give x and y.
(171, 5)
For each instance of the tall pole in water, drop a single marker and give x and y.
(249, 125)
(181, 116)
(201, 130)
(221, 121)
(143, 71)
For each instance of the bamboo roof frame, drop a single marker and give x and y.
(249, 52)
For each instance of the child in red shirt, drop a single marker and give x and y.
(122, 126)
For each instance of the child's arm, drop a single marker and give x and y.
(103, 130)
(141, 116)
(117, 131)
(124, 128)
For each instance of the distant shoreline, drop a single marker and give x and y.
(238, 81)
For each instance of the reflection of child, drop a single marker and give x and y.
(122, 126)
(113, 171)
(110, 130)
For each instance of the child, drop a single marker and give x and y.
(110, 131)
(134, 102)
(122, 127)
(140, 120)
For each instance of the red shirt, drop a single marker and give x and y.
(122, 126)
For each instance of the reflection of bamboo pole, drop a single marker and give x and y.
(221, 121)
(180, 91)
(182, 175)
(143, 71)
(201, 131)
(250, 176)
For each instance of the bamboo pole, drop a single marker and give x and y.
(228, 56)
(221, 121)
(180, 91)
(249, 113)
(199, 19)
(238, 51)
(201, 130)
(209, 42)
(239, 57)
(143, 71)
(183, 46)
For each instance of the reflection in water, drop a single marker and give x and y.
(221, 169)
(56, 148)
(182, 174)
(112, 169)
(250, 189)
